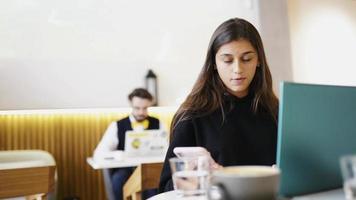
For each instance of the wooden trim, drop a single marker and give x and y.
(133, 185)
(151, 174)
(146, 176)
(26, 181)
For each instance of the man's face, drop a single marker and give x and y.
(139, 108)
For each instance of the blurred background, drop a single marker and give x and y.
(66, 67)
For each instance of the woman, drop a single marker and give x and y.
(231, 110)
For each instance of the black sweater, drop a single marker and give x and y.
(243, 138)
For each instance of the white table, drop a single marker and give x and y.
(105, 164)
(337, 194)
(125, 162)
(328, 195)
(171, 195)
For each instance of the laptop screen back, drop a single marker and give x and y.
(146, 143)
(317, 125)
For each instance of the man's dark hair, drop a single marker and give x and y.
(141, 93)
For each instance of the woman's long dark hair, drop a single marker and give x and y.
(207, 93)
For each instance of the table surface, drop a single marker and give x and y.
(125, 162)
(328, 195)
(171, 195)
(337, 194)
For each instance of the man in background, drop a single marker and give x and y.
(114, 136)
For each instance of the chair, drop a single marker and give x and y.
(27, 173)
(108, 185)
(146, 176)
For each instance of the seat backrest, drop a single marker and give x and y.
(26, 172)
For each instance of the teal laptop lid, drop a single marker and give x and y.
(316, 125)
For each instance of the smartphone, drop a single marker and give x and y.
(190, 151)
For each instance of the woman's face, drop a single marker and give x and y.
(236, 64)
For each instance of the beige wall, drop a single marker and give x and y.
(323, 41)
(273, 15)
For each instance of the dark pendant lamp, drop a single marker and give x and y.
(151, 86)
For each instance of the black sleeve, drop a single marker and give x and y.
(183, 135)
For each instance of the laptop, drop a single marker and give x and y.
(317, 125)
(146, 143)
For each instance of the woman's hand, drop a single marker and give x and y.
(215, 166)
(187, 183)
(212, 164)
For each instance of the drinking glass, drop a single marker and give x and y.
(190, 175)
(348, 169)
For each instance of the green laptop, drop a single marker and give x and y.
(317, 125)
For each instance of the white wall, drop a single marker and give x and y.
(323, 40)
(92, 53)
